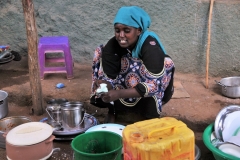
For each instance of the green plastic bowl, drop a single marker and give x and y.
(97, 145)
(218, 154)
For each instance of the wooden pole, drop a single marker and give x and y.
(209, 41)
(32, 40)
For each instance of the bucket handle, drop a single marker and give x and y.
(82, 119)
(171, 127)
(52, 117)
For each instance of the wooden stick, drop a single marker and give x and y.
(209, 41)
(32, 40)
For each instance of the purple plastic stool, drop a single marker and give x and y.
(55, 45)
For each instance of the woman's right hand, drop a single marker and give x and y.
(110, 96)
(97, 83)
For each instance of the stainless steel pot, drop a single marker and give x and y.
(54, 112)
(3, 104)
(72, 115)
(54, 115)
(230, 86)
(8, 123)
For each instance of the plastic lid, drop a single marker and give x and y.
(29, 133)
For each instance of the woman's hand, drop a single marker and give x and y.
(97, 83)
(110, 96)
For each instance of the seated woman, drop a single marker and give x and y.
(135, 67)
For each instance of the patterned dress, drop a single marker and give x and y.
(134, 74)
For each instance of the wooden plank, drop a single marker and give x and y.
(179, 91)
(32, 40)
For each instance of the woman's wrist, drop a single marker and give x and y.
(128, 93)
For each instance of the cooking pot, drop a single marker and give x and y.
(32, 140)
(72, 115)
(3, 104)
(54, 115)
(54, 111)
(230, 86)
(8, 123)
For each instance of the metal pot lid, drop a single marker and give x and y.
(29, 133)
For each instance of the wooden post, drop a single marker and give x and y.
(32, 40)
(209, 40)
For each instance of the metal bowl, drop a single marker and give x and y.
(8, 123)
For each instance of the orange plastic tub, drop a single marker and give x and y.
(158, 139)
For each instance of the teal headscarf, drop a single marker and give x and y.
(136, 17)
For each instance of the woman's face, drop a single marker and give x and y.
(126, 36)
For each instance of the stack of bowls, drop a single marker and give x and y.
(222, 137)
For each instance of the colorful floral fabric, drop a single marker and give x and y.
(134, 74)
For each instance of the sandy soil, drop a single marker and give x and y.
(197, 111)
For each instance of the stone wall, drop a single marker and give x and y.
(181, 26)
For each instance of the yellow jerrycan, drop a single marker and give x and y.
(158, 139)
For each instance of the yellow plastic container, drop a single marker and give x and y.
(158, 139)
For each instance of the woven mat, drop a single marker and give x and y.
(179, 91)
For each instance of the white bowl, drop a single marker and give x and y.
(230, 149)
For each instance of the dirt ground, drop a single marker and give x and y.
(197, 111)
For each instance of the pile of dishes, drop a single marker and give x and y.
(226, 135)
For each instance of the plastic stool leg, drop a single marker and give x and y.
(68, 63)
(41, 60)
